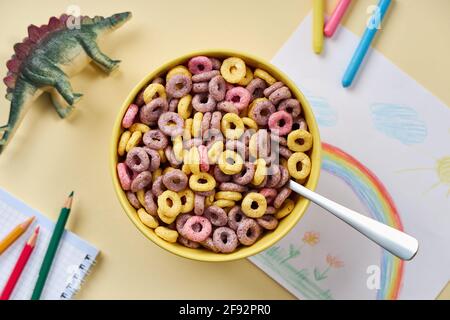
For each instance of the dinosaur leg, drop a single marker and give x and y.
(102, 60)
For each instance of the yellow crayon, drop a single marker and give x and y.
(318, 23)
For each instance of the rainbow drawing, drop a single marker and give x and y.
(380, 205)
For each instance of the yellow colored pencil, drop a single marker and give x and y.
(15, 234)
(318, 23)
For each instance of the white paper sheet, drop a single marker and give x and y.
(387, 138)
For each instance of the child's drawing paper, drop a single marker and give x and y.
(386, 154)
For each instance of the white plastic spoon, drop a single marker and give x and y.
(396, 242)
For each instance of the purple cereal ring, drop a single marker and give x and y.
(291, 106)
(139, 101)
(125, 175)
(280, 122)
(175, 180)
(211, 136)
(217, 88)
(284, 177)
(300, 124)
(171, 124)
(133, 200)
(206, 122)
(155, 159)
(204, 160)
(261, 112)
(272, 88)
(188, 243)
(273, 176)
(158, 80)
(235, 217)
(215, 120)
(130, 115)
(200, 87)
(285, 152)
(230, 186)
(216, 215)
(158, 187)
(171, 157)
(239, 96)
(181, 221)
(220, 176)
(199, 64)
(246, 175)
(209, 244)
(199, 204)
(155, 139)
(268, 222)
(203, 102)
(150, 204)
(269, 193)
(225, 239)
(205, 76)
(216, 63)
(280, 94)
(278, 139)
(281, 197)
(197, 229)
(227, 107)
(256, 88)
(271, 210)
(153, 110)
(141, 181)
(248, 232)
(137, 159)
(173, 105)
(178, 86)
(206, 193)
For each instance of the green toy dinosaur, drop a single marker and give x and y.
(46, 59)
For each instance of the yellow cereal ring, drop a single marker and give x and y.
(299, 158)
(187, 132)
(164, 218)
(178, 149)
(193, 160)
(185, 168)
(283, 162)
(152, 90)
(167, 234)
(233, 70)
(147, 219)
(155, 174)
(135, 139)
(228, 195)
(197, 125)
(124, 138)
(260, 172)
(202, 182)
(285, 209)
(247, 78)
(185, 107)
(227, 121)
(169, 203)
(250, 123)
(254, 205)
(139, 127)
(167, 170)
(259, 73)
(140, 195)
(224, 203)
(230, 162)
(162, 156)
(215, 151)
(299, 140)
(188, 196)
(209, 200)
(178, 70)
(253, 146)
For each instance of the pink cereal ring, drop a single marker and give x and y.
(130, 115)
(280, 121)
(197, 228)
(204, 161)
(269, 193)
(125, 176)
(199, 64)
(239, 96)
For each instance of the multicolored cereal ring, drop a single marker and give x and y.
(225, 239)
(281, 197)
(150, 204)
(280, 94)
(158, 187)
(124, 174)
(277, 85)
(178, 70)
(175, 180)
(299, 140)
(305, 164)
(284, 173)
(246, 175)
(227, 107)
(181, 221)
(171, 124)
(233, 69)
(199, 64)
(141, 181)
(291, 106)
(130, 115)
(178, 86)
(188, 243)
(259, 73)
(137, 160)
(274, 176)
(216, 215)
(205, 76)
(209, 244)
(248, 232)
(154, 90)
(235, 217)
(153, 110)
(256, 88)
(217, 88)
(254, 205)
(173, 105)
(269, 193)
(155, 139)
(197, 229)
(239, 96)
(216, 63)
(200, 87)
(280, 122)
(268, 222)
(234, 187)
(199, 204)
(203, 102)
(260, 111)
(133, 200)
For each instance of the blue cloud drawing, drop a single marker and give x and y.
(325, 115)
(399, 122)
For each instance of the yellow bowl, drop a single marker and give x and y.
(269, 238)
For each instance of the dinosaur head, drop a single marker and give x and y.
(118, 19)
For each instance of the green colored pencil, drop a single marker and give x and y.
(52, 247)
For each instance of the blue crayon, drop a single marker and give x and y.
(365, 42)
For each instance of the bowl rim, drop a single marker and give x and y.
(301, 204)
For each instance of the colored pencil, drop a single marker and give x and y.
(20, 265)
(365, 42)
(52, 247)
(336, 17)
(318, 20)
(15, 234)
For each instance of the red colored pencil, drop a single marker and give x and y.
(20, 265)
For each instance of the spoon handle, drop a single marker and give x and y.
(396, 242)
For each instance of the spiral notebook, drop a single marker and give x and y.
(73, 261)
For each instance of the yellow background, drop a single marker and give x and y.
(49, 157)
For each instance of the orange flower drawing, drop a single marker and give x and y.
(334, 262)
(311, 237)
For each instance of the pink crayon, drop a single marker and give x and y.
(336, 17)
